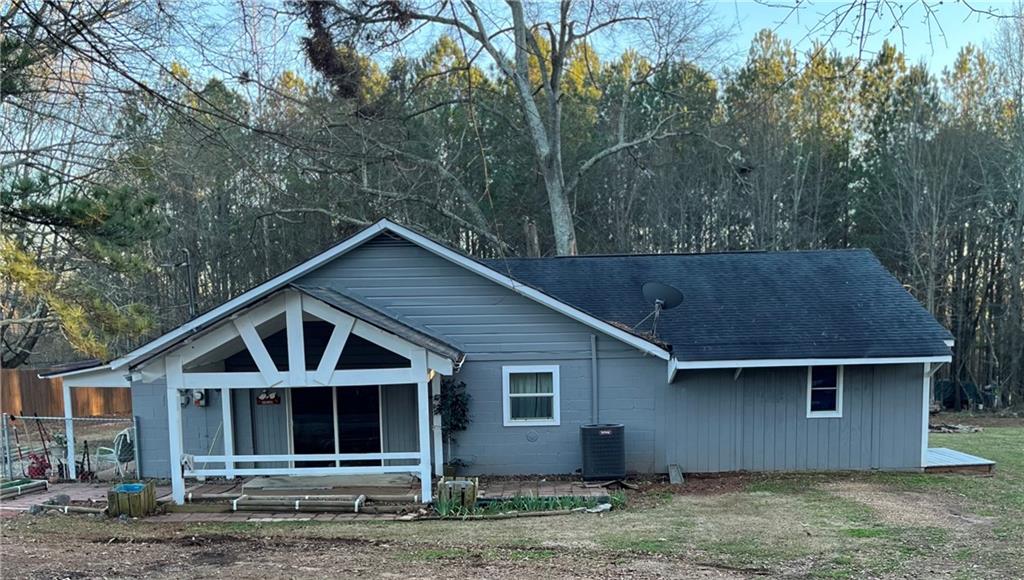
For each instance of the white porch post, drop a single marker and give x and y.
(175, 381)
(435, 389)
(69, 431)
(419, 367)
(229, 432)
(926, 395)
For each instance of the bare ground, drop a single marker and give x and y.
(852, 525)
(183, 553)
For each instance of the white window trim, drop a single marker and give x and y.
(839, 396)
(506, 396)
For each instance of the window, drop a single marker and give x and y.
(825, 391)
(530, 395)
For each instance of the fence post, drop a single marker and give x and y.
(69, 431)
(6, 434)
(135, 447)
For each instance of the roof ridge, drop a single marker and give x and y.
(693, 254)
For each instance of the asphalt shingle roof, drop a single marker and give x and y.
(749, 305)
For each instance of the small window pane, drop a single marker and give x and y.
(530, 383)
(532, 408)
(823, 400)
(824, 377)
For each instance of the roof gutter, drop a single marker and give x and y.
(677, 365)
(71, 373)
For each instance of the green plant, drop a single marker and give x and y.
(452, 404)
(448, 508)
(526, 504)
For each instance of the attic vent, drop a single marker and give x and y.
(661, 297)
(387, 239)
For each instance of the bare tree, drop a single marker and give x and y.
(531, 47)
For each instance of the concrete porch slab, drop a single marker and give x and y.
(329, 482)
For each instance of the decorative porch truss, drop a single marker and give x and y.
(428, 359)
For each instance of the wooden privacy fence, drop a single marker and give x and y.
(22, 392)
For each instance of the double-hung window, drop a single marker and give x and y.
(530, 395)
(825, 391)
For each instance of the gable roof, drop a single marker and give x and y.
(260, 291)
(757, 308)
(827, 304)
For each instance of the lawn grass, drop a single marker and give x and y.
(813, 525)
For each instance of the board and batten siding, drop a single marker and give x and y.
(758, 421)
(200, 433)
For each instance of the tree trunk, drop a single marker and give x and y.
(561, 216)
(548, 157)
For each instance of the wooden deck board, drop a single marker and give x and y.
(942, 459)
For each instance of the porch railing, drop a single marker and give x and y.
(229, 469)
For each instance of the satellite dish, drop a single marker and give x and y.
(662, 295)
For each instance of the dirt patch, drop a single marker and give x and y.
(43, 553)
(664, 567)
(908, 508)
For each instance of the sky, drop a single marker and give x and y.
(934, 39)
(933, 31)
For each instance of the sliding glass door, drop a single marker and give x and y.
(336, 420)
(359, 422)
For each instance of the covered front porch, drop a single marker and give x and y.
(310, 382)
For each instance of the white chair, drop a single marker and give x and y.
(120, 454)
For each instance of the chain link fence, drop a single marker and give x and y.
(37, 448)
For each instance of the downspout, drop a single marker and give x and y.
(594, 415)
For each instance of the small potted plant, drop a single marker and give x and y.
(452, 403)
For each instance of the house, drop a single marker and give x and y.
(812, 360)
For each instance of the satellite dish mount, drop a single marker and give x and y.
(663, 297)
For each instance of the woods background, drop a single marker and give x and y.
(157, 159)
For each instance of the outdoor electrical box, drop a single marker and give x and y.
(199, 397)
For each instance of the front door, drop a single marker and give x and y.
(336, 420)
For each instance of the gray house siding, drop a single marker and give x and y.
(268, 432)
(706, 421)
(399, 421)
(490, 322)
(498, 327)
(201, 427)
(630, 387)
(632, 392)
(758, 422)
(149, 404)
